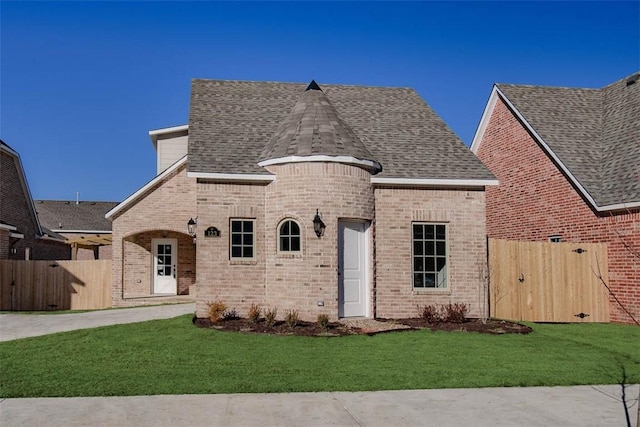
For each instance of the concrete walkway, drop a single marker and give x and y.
(538, 406)
(15, 326)
(534, 406)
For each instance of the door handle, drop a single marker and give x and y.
(174, 271)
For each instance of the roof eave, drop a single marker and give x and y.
(129, 200)
(435, 182)
(370, 165)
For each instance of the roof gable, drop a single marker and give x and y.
(592, 134)
(231, 123)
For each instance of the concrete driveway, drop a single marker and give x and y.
(15, 326)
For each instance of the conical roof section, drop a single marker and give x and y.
(314, 131)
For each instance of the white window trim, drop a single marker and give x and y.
(253, 233)
(447, 288)
(289, 252)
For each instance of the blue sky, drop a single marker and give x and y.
(82, 83)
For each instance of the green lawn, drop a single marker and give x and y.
(174, 357)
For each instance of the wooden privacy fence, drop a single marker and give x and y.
(55, 285)
(548, 282)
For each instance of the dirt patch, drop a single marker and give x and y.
(362, 326)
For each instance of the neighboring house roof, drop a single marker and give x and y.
(231, 123)
(593, 134)
(64, 216)
(24, 184)
(315, 131)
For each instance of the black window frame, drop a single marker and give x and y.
(242, 238)
(429, 255)
(287, 239)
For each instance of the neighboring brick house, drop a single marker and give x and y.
(21, 234)
(81, 223)
(346, 201)
(568, 162)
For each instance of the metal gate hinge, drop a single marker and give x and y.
(582, 315)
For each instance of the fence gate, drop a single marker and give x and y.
(548, 282)
(55, 285)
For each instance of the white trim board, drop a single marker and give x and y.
(370, 164)
(413, 182)
(232, 177)
(126, 202)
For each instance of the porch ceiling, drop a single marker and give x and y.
(90, 239)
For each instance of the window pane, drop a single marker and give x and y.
(284, 229)
(428, 231)
(236, 226)
(284, 244)
(247, 252)
(429, 248)
(236, 239)
(295, 229)
(418, 264)
(417, 280)
(418, 248)
(429, 280)
(440, 248)
(236, 251)
(248, 226)
(160, 249)
(440, 234)
(167, 271)
(417, 231)
(440, 263)
(247, 239)
(430, 264)
(160, 259)
(295, 243)
(167, 249)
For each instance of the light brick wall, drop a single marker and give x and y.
(463, 213)
(163, 211)
(535, 200)
(237, 283)
(339, 191)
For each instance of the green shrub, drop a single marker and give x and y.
(254, 313)
(270, 316)
(291, 318)
(217, 310)
(323, 321)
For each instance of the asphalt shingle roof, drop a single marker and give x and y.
(594, 132)
(232, 122)
(67, 215)
(314, 127)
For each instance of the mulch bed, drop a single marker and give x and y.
(312, 329)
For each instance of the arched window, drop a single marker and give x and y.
(289, 236)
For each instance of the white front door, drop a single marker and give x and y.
(165, 268)
(352, 277)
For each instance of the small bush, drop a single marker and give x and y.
(323, 321)
(455, 313)
(217, 310)
(270, 316)
(254, 313)
(430, 314)
(230, 314)
(291, 318)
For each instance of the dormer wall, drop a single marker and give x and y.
(171, 145)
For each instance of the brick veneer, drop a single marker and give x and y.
(463, 213)
(15, 209)
(162, 212)
(536, 200)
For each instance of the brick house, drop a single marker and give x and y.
(341, 200)
(82, 225)
(21, 234)
(568, 163)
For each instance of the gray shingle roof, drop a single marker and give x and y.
(231, 123)
(314, 127)
(67, 215)
(594, 132)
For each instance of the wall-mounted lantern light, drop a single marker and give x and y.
(191, 227)
(318, 225)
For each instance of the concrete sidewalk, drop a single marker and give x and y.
(535, 406)
(15, 326)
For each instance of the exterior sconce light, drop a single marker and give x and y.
(318, 225)
(191, 227)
